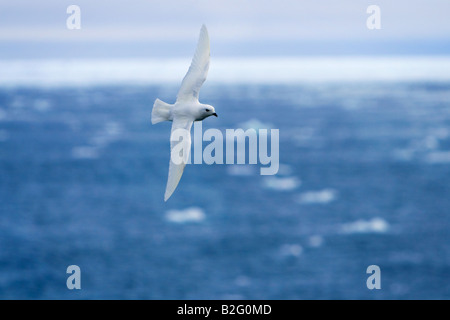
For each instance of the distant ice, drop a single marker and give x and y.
(193, 214)
(376, 225)
(282, 184)
(226, 70)
(321, 196)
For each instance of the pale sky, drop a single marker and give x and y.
(111, 28)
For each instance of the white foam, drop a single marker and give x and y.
(441, 133)
(242, 281)
(282, 184)
(375, 225)
(241, 170)
(403, 154)
(321, 196)
(303, 136)
(108, 134)
(431, 142)
(85, 152)
(438, 157)
(255, 124)
(315, 241)
(293, 250)
(193, 214)
(42, 105)
(284, 169)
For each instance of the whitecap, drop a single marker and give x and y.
(193, 214)
(293, 250)
(441, 133)
(315, 241)
(242, 281)
(85, 152)
(255, 124)
(438, 157)
(240, 170)
(284, 169)
(109, 133)
(321, 196)
(42, 105)
(113, 128)
(282, 184)
(403, 154)
(431, 142)
(375, 225)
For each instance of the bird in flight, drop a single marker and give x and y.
(184, 112)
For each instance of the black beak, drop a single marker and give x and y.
(215, 114)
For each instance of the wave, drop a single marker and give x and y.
(375, 225)
(293, 250)
(85, 152)
(282, 184)
(241, 170)
(193, 214)
(438, 157)
(321, 196)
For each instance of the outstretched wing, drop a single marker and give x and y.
(180, 148)
(196, 75)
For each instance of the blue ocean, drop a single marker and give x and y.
(363, 180)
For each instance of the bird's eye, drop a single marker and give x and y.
(207, 110)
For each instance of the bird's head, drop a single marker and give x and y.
(208, 110)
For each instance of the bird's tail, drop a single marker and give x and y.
(160, 112)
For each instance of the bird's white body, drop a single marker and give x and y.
(194, 110)
(186, 109)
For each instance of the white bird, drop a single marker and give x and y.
(186, 110)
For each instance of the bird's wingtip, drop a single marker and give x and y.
(167, 195)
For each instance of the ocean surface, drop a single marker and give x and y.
(364, 180)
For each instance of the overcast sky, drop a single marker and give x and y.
(141, 28)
